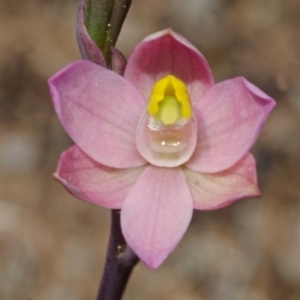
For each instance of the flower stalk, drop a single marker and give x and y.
(99, 23)
(120, 261)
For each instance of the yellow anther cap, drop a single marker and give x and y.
(169, 100)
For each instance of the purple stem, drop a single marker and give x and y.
(120, 261)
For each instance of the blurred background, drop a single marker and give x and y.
(52, 246)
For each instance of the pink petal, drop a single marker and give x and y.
(163, 53)
(156, 213)
(100, 110)
(88, 48)
(212, 191)
(230, 117)
(90, 181)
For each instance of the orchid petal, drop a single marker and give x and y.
(164, 53)
(90, 181)
(230, 116)
(100, 111)
(212, 191)
(156, 213)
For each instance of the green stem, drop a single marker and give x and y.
(104, 20)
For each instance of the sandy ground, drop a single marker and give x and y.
(52, 246)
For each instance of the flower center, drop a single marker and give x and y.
(169, 101)
(167, 131)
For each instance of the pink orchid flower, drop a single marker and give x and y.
(158, 142)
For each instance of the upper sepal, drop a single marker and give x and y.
(164, 53)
